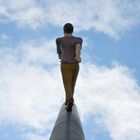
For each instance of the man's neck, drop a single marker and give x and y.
(68, 34)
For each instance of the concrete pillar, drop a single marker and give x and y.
(68, 125)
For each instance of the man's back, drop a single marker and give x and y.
(66, 47)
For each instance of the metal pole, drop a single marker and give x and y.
(68, 125)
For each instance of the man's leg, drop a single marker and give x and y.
(67, 80)
(74, 76)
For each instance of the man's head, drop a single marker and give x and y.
(68, 28)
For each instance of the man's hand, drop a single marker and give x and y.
(78, 58)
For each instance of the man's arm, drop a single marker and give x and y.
(78, 52)
(58, 48)
(59, 56)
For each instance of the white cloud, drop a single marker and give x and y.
(32, 17)
(3, 10)
(35, 137)
(112, 96)
(18, 91)
(112, 17)
(39, 51)
(25, 12)
(31, 95)
(34, 52)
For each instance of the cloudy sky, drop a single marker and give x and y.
(108, 87)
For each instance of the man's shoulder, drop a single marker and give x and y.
(59, 39)
(78, 39)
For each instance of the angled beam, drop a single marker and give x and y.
(68, 125)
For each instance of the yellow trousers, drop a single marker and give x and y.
(69, 76)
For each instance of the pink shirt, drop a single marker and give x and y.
(66, 47)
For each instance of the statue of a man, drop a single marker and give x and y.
(69, 50)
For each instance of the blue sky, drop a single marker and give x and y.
(108, 88)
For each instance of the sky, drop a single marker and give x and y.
(107, 92)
